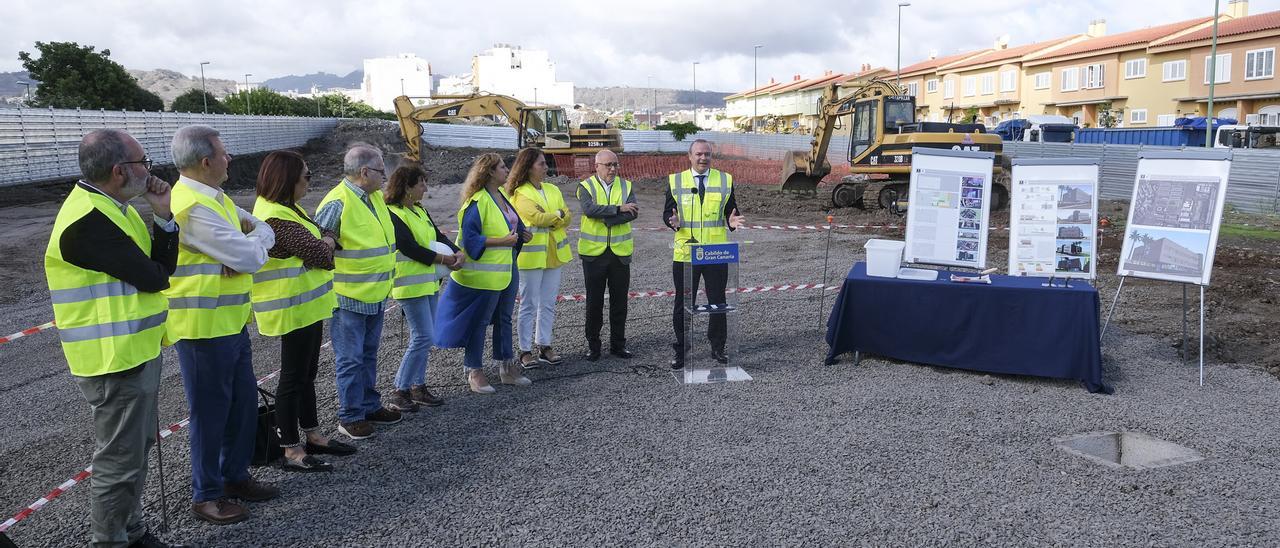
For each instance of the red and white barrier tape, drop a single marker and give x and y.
(25, 332)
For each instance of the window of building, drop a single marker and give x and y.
(1165, 119)
(1043, 80)
(949, 89)
(1071, 79)
(913, 88)
(970, 86)
(1135, 68)
(1138, 116)
(1260, 63)
(1093, 76)
(1175, 70)
(1221, 70)
(988, 84)
(1008, 80)
(931, 86)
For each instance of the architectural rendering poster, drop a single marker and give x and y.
(1053, 218)
(1174, 216)
(949, 207)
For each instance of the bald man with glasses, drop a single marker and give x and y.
(605, 246)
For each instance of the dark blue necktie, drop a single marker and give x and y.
(702, 186)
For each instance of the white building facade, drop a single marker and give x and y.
(527, 75)
(386, 78)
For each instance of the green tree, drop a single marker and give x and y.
(679, 130)
(628, 121)
(337, 104)
(194, 101)
(1109, 116)
(75, 76)
(260, 102)
(970, 116)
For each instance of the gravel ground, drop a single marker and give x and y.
(618, 453)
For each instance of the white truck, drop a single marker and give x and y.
(1247, 136)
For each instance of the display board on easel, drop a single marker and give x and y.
(1053, 218)
(1174, 215)
(950, 207)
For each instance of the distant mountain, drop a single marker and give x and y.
(9, 83)
(170, 84)
(613, 98)
(323, 80)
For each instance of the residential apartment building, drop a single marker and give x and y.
(1148, 77)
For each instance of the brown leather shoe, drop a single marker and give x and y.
(219, 512)
(251, 490)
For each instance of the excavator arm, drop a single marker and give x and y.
(803, 169)
(411, 117)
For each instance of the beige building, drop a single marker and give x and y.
(922, 81)
(992, 82)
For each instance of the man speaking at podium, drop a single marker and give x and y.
(699, 200)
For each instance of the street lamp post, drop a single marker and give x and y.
(204, 93)
(755, 86)
(402, 86)
(1213, 78)
(653, 112)
(695, 94)
(27, 96)
(248, 107)
(535, 97)
(899, 74)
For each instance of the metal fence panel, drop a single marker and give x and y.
(1253, 186)
(43, 144)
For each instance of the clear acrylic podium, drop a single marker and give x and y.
(713, 319)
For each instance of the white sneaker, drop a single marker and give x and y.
(509, 373)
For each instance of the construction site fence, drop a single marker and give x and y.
(1253, 186)
(42, 144)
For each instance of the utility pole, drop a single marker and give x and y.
(652, 113)
(899, 74)
(755, 86)
(402, 86)
(695, 93)
(1213, 78)
(204, 93)
(248, 107)
(28, 93)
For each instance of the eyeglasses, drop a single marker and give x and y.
(609, 164)
(384, 174)
(145, 161)
(307, 176)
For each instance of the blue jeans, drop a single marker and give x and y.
(355, 348)
(473, 357)
(217, 376)
(420, 312)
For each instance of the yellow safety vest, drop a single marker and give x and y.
(492, 270)
(415, 279)
(204, 304)
(287, 295)
(366, 262)
(700, 219)
(533, 255)
(596, 236)
(106, 325)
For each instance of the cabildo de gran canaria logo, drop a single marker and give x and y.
(698, 253)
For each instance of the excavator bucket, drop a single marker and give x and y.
(796, 175)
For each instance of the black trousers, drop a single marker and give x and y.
(606, 271)
(296, 393)
(715, 276)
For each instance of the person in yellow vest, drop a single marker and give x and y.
(292, 297)
(483, 291)
(700, 207)
(605, 246)
(423, 256)
(541, 207)
(363, 268)
(209, 306)
(105, 273)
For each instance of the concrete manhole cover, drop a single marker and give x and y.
(1132, 450)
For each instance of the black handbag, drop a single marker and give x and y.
(266, 444)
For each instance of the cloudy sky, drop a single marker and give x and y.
(594, 43)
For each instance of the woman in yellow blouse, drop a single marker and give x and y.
(541, 207)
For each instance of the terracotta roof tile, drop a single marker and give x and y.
(1131, 38)
(1244, 25)
(940, 61)
(1012, 53)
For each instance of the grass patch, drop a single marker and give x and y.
(1245, 231)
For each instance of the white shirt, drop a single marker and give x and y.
(207, 232)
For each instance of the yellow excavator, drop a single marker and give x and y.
(884, 130)
(542, 127)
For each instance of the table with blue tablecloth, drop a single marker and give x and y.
(1014, 325)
